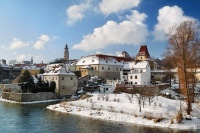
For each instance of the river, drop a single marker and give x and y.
(35, 118)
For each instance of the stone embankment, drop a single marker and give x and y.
(29, 97)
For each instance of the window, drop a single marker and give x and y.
(95, 68)
(56, 78)
(106, 89)
(102, 68)
(135, 76)
(108, 68)
(106, 61)
(141, 57)
(120, 69)
(71, 78)
(117, 69)
(62, 78)
(53, 78)
(141, 71)
(131, 77)
(63, 87)
(135, 82)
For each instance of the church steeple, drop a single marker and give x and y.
(66, 53)
(31, 60)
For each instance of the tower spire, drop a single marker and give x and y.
(66, 53)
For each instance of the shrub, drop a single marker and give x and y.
(98, 98)
(148, 115)
(90, 100)
(118, 100)
(114, 100)
(107, 98)
(179, 117)
(171, 121)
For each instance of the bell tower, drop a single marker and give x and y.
(66, 53)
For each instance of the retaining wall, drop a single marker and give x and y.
(29, 97)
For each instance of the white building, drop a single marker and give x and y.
(139, 73)
(103, 66)
(66, 82)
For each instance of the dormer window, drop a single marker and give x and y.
(106, 61)
(84, 61)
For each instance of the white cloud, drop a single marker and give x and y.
(21, 57)
(76, 12)
(99, 52)
(168, 17)
(42, 40)
(131, 31)
(18, 44)
(114, 6)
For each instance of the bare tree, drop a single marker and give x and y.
(184, 51)
(12, 62)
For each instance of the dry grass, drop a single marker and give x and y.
(179, 117)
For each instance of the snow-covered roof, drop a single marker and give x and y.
(103, 59)
(138, 65)
(32, 68)
(4, 65)
(58, 71)
(86, 67)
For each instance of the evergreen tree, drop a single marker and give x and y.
(26, 77)
(41, 71)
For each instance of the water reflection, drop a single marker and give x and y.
(36, 118)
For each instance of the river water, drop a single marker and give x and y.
(35, 118)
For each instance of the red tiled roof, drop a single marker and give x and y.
(143, 51)
(119, 59)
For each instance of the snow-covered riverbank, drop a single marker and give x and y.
(122, 107)
(35, 102)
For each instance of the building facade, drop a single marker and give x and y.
(65, 81)
(138, 73)
(103, 66)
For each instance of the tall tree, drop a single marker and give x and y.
(41, 71)
(184, 52)
(26, 77)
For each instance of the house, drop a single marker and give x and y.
(103, 66)
(106, 88)
(139, 73)
(143, 55)
(64, 80)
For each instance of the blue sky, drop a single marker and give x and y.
(40, 29)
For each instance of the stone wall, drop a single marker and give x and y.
(29, 97)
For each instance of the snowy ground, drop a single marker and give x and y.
(125, 108)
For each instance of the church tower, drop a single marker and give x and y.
(66, 53)
(31, 60)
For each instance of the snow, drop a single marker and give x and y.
(118, 107)
(35, 102)
(131, 65)
(59, 70)
(93, 60)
